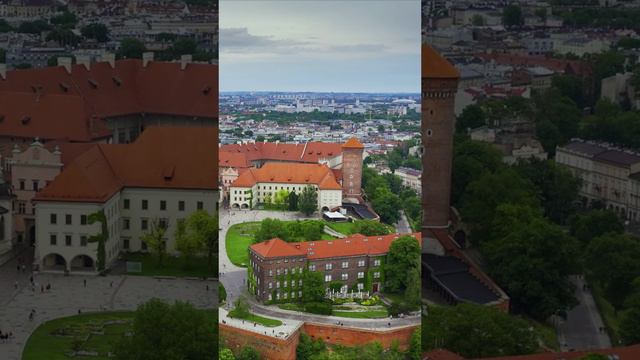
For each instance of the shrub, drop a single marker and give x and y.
(320, 308)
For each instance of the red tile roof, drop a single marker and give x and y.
(353, 143)
(289, 173)
(576, 67)
(63, 105)
(310, 152)
(162, 157)
(354, 245)
(434, 66)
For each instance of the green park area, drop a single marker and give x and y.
(120, 334)
(97, 332)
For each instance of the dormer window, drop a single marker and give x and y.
(25, 120)
(117, 80)
(93, 83)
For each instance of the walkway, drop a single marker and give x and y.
(581, 330)
(403, 226)
(68, 295)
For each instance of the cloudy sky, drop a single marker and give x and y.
(320, 45)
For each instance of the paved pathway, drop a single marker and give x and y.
(69, 295)
(581, 330)
(234, 278)
(403, 226)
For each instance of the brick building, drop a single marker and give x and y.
(276, 267)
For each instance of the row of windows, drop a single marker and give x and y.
(285, 283)
(35, 184)
(285, 295)
(345, 276)
(68, 240)
(68, 219)
(344, 265)
(162, 205)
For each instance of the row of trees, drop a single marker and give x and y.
(289, 231)
(306, 202)
(388, 196)
(399, 157)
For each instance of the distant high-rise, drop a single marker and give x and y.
(439, 86)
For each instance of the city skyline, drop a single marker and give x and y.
(329, 46)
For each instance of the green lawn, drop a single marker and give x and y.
(44, 344)
(238, 239)
(345, 228)
(53, 339)
(373, 314)
(547, 335)
(173, 266)
(291, 306)
(257, 319)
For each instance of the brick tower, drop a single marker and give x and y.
(352, 152)
(439, 86)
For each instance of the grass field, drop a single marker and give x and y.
(54, 338)
(237, 241)
(173, 266)
(345, 228)
(607, 312)
(257, 319)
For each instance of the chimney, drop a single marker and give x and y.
(66, 62)
(3, 71)
(184, 60)
(110, 58)
(146, 57)
(84, 60)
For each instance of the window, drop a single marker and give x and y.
(83, 219)
(163, 205)
(328, 266)
(67, 219)
(270, 285)
(327, 278)
(270, 272)
(345, 264)
(126, 203)
(145, 204)
(83, 240)
(376, 262)
(181, 205)
(285, 283)
(143, 245)
(35, 185)
(126, 223)
(360, 263)
(360, 274)
(144, 224)
(376, 275)
(21, 184)
(125, 244)
(345, 276)
(277, 284)
(286, 271)
(360, 286)
(53, 239)
(67, 240)
(163, 223)
(300, 282)
(53, 218)
(200, 205)
(277, 271)
(312, 267)
(22, 207)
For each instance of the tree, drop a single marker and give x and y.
(203, 229)
(280, 198)
(270, 229)
(184, 47)
(248, 353)
(492, 189)
(415, 345)
(630, 325)
(226, 354)
(313, 289)
(222, 294)
(96, 31)
(33, 27)
(241, 307)
(293, 201)
(471, 160)
(187, 244)
(66, 20)
(413, 290)
(307, 347)
(369, 228)
(541, 14)
(155, 239)
(532, 261)
(402, 258)
(612, 260)
(131, 48)
(512, 16)
(595, 223)
(387, 205)
(557, 119)
(308, 202)
(478, 20)
(489, 332)
(100, 238)
(5, 26)
(471, 117)
(557, 186)
(63, 37)
(172, 332)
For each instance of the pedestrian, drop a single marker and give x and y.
(24, 268)
(85, 282)
(79, 311)
(18, 267)
(42, 289)
(207, 287)
(111, 284)
(31, 279)
(15, 285)
(48, 287)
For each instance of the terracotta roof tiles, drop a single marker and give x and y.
(289, 173)
(434, 66)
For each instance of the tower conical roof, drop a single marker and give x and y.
(353, 143)
(435, 66)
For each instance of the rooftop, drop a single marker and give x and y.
(435, 66)
(289, 173)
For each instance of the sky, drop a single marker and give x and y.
(320, 45)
